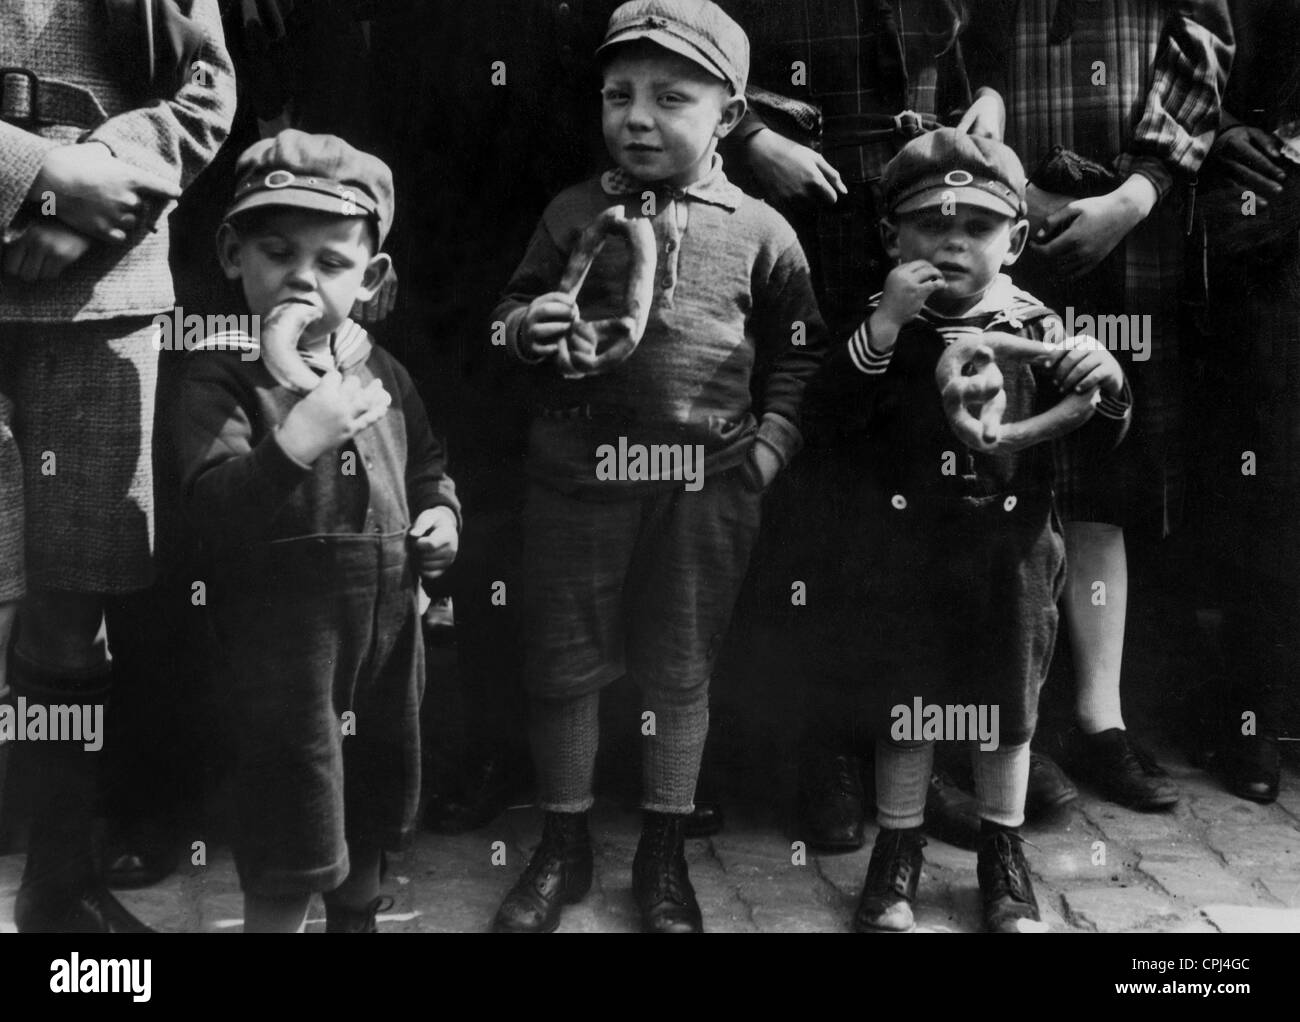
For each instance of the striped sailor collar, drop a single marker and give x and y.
(1003, 302)
(713, 188)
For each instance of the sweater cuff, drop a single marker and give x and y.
(277, 466)
(1117, 407)
(864, 358)
(750, 125)
(780, 435)
(514, 329)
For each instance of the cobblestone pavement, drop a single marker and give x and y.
(1216, 863)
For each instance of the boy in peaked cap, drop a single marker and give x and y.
(627, 572)
(956, 606)
(320, 493)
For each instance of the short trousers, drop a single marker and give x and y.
(76, 451)
(315, 629)
(956, 608)
(644, 586)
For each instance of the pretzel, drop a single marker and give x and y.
(974, 400)
(596, 347)
(281, 328)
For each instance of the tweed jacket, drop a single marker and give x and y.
(173, 138)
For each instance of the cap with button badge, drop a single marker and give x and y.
(320, 172)
(949, 166)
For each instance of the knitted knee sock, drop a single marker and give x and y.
(902, 779)
(1001, 783)
(670, 758)
(564, 735)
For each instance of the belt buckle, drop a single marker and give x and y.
(908, 123)
(32, 116)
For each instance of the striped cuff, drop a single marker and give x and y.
(864, 359)
(1117, 407)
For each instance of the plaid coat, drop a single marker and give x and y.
(1155, 114)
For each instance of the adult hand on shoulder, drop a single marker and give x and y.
(1251, 159)
(790, 172)
(43, 251)
(95, 192)
(437, 541)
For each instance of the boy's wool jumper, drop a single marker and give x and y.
(734, 332)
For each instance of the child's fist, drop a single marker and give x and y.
(333, 413)
(43, 251)
(437, 540)
(907, 288)
(1085, 364)
(762, 466)
(549, 317)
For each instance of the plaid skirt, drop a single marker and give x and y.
(76, 475)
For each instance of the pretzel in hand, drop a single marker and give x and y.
(589, 348)
(974, 400)
(281, 328)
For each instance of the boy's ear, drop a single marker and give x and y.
(1019, 235)
(889, 236)
(376, 270)
(229, 250)
(732, 112)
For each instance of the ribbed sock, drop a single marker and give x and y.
(565, 735)
(1002, 783)
(902, 779)
(670, 758)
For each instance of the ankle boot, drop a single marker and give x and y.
(660, 882)
(60, 891)
(558, 874)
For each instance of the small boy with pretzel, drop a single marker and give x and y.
(630, 571)
(956, 606)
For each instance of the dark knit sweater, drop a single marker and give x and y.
(734, 331)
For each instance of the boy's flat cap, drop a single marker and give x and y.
(698, 30)
(320, 172)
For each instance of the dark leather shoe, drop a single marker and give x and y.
(91, 909)
(661, 884)
(1008, 893)
(951, 814)
(830, 802)
(487, 791)
(706, 820)
(892, 878)
(355, 920)
(1254, 768)
(130, 869)
(558, 874)
(1124, 772)
(1050, 790)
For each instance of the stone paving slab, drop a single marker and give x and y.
(1214, 864)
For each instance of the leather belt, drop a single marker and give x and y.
(846, 130)
(30, 101)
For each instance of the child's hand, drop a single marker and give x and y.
(95, 192)
(986, 116)
(764, 465)
(43, 251)
(437, 540)
(333, 413)
(907, 288)
(549, 317)
(1086, 231)
(1085, 364)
